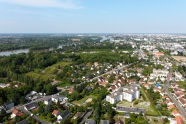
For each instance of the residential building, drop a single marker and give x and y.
(119, 121)
(23, 122)
(78, 114)
(31, 106)
(8, 105)
(179, 120)
(16, 113)
(48, 101)
(2, 85)
(104, 122)
(90, 121)
(178, 76)
(128, 93)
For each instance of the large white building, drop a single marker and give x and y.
(159, 73)
(178, 76)
(128, 93)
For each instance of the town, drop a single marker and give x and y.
(123, 79)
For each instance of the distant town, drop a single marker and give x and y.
(92, 78)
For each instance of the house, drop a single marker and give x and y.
(78, 114)
(23, 122)
(171, 106)
(2, 85)
(8, 85)
(90, 121)
(57, 98)
(119, 121)
(179, 94)
(31, 106)
(146, 86)
(63, 116)
(141, 81)
(132, 81)
(96, 64)
(8, 105)
(179, 120)
(56, 113)
(158, 54)
(174, 85)
(128, 93)
(175, 113)
(182, 101)
(71, 90)
(104, 122)
(178, 76)
(16, 113)
(151, 82)
(156, 89)
(48, 101)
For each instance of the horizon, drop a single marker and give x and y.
(77, 16)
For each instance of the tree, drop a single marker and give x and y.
(22, 100)
(48, 108)
(159, 107)
(2, 112)
(41, 109)
(76, 121)
(96, 114)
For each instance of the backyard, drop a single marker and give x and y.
(85, 100)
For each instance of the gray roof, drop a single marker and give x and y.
(23, 122)
(3, 84)
(32, 105)
(8, 103)
(65, 114)
(89, 121)
(104, 122)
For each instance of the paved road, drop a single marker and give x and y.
(175, 101)
(109, 72)
(130, 109)
(21, 107)
(88, 114)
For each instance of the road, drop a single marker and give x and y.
(28, 112)
(88, 114)
(174, 100)
(130, 109)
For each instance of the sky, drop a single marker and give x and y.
(92, 16)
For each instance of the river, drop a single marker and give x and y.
(9, 52)
(106, 38)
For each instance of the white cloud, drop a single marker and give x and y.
(65, 4)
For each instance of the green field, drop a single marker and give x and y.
(125, 103)
(49, 72)
(45, 118)
(81, 101)
(150, 110)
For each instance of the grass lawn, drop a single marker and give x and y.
(150, 110)
(116, 117)
(81, 101)
(125, 103)
(45, 118)
(49, 72)
(64, 84)
(157, 122)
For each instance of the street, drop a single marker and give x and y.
(177, 104)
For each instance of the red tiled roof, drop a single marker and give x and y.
(171, 106)
(175, 112)
(17, 112)
(179, 120)
(71, 90)
(55, 112)
(183, 101)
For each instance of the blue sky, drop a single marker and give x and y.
(92, 16)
